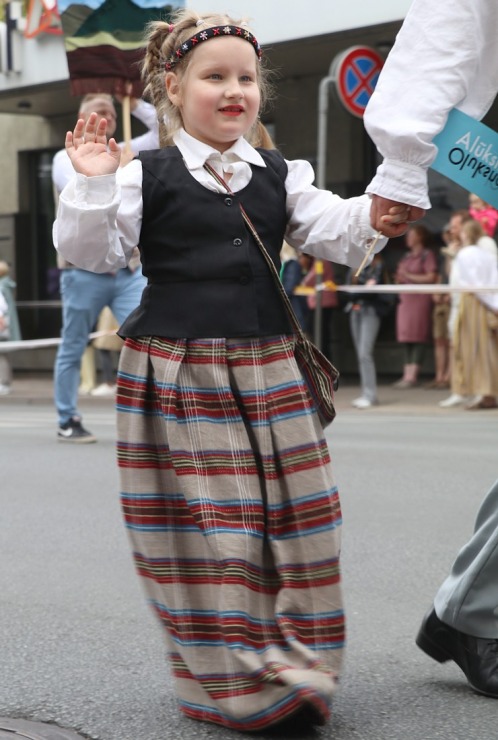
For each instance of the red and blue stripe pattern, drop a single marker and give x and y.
(234, 521)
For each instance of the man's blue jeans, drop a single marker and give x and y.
(84, 295)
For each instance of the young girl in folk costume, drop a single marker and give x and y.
(227, 487)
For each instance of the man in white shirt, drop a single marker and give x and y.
(445, 56)
(84, 293)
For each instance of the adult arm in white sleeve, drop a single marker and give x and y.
(326, 225)
(99, 219)
(62, 170)
(147, 114)
(445, 56)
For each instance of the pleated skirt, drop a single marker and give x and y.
(234, 522)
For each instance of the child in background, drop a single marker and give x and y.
(227, 487)
(484, 213)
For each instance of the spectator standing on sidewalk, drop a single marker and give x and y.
(292, 275)
(5, 371)
(9, 324)
(442, 305)
(84, 294)
(440, 335)
(366, 311)
(414, 311)
(329, 305)
(474, 357)
(445, 56)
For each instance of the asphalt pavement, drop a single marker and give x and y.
(79, 648)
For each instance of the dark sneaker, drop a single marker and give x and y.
(72, 431)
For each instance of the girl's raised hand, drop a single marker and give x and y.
(88, 149)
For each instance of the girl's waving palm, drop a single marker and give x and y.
(88, 149)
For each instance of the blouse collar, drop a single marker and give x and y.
(195, 153)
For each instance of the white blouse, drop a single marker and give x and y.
(99, 218)
(445, 56)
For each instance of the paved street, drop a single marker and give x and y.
(79, 647)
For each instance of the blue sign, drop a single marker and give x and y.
(468, 155)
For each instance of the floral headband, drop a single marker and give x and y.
(211, 33)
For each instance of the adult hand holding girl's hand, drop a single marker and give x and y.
(392, 218)
(88, 149)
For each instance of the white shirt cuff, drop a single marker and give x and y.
(401, 182)
(90, 192)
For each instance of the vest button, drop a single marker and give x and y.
(228, 201)
(237, 242)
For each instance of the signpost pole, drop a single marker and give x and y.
(323, 107)
(354, 73)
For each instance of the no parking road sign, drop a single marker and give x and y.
(356, 72)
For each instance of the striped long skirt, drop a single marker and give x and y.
(234, 522)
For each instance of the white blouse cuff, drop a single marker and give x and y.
(401, 182)
(90, 192)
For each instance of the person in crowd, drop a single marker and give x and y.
(484, 213)
(474, 344)
(5, 370)
(453, 234)
(414, 311)
(214, 418)
(440, 316)
(9, 324)
(84, 294)
(471, 350)
(454, 63)
(329, 304)
(366, 311)
(442, 307)
(107, 347)
(292, 275)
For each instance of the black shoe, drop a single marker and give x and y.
(476, 656)
(72, 431)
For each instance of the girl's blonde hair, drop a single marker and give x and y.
(259, 136)
(471, 232)
(162, 40)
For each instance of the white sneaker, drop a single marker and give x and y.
(84, 390)
(454, 400)
(4, 389)
(104, 390)
(361, 403)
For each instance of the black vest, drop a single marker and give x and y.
(206, 275)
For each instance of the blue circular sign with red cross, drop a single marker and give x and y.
(356, 72)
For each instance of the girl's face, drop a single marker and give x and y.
(218, 96)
